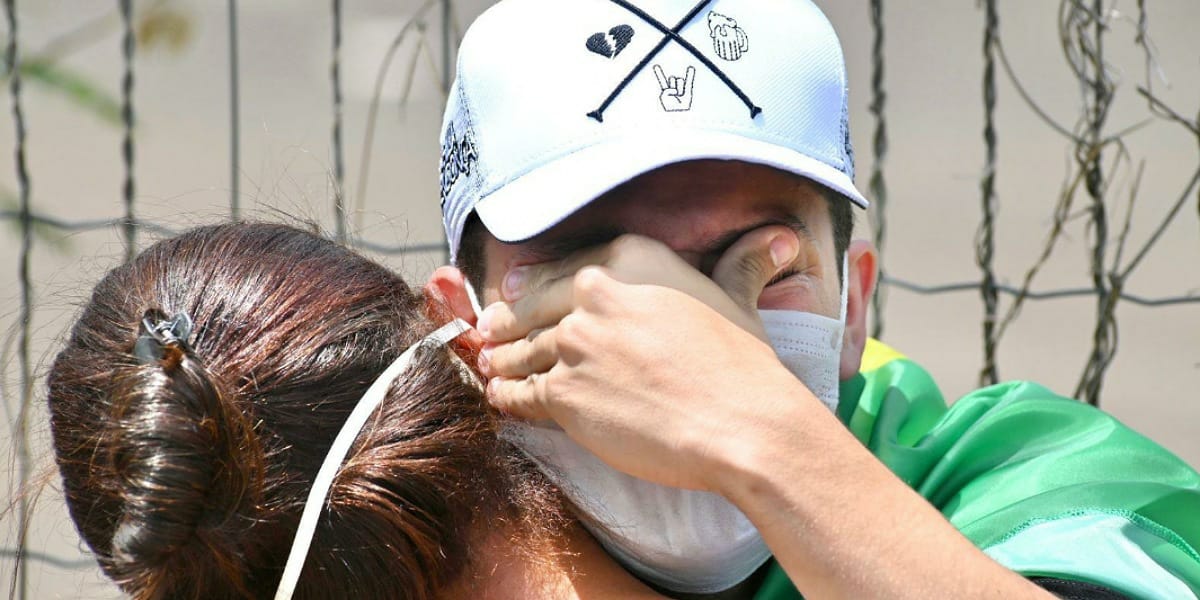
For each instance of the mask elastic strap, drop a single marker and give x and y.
(474, 298)
(845, 287)
(341, 447)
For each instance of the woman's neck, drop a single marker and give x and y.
(580, 570)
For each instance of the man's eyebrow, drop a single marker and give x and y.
(537, 251)
(710, 251)
(719, 244)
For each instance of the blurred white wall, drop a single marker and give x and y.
(934, 75)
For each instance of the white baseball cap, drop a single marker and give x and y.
(558, 101)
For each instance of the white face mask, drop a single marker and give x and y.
(810, 345)
(681, 540)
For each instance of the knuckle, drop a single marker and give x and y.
(570, 331)
(502, 360)
(503, 320)
(546, 344)
(525, 359)
(545, 387)
(555, 384)
(590, 281)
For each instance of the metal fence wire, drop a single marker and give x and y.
(1084, 26)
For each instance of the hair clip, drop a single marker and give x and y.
(156, 336)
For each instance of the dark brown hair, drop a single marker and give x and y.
(186, 476)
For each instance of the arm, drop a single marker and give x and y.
(722, 414)
(842, 525)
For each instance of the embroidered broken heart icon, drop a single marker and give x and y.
(610, 44)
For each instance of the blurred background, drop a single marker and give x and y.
(327, 112)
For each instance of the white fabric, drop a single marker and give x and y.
(341, 447)
(1114, 556)
(519, 144)
(810, 345)
(683, 540)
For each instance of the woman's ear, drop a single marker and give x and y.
(860, 277)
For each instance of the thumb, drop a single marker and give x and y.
(750, 263)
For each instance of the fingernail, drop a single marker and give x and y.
(483, 323)
(784, 250)
(485, 359)
(513, 283)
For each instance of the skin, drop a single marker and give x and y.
(581, 571)
(674, 264)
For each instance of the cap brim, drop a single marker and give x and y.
(540, 199)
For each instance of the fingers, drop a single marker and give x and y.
(540, 295)
(536, 353)
(523, 398)
(629, 258)
(662, 78)
(688, 79)
(502, 322)
(750, 263)
(522, 281)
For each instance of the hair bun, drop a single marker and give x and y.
(186, 459)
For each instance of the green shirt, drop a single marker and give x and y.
(1045, 485)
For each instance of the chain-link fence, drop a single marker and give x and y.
(1090, 198)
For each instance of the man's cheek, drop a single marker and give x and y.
(784, 296)
(796, 293)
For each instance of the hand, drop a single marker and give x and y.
(636, 363)
(617, 346)
(676, 93)
(539, 296)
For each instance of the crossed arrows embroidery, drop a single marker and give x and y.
(669, 35)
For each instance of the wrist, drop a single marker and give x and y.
(777, 449)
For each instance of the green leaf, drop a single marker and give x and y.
(75, 88)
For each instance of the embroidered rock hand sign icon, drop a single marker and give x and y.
(676, 93)
(729, 41)
(611, 44)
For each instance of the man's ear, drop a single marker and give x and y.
(448, 285)
(447, 291)
(860, 278)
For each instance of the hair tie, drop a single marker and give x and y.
(156, 336)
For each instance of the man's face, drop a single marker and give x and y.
(699, 209)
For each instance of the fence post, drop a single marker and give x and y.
(985, 242)
(878, 184)
(339, 168)
(235, 119)
(1097, 99)
(127, 49)
(23, 354)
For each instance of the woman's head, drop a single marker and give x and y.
(186, 470)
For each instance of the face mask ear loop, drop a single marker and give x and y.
(474, 298)
(845, 287)
(341, 447)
